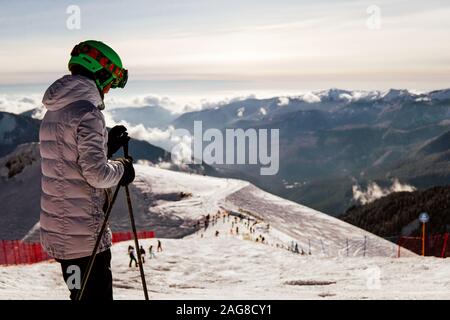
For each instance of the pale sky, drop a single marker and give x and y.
(266, 44)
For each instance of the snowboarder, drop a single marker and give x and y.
(75, 149)
(159, 248)
(142, 252)
(132, 255)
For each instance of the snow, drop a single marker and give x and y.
(240, 112)
(283, 101)
(199, 265)
(310, 97)
(395, 94)
(229, 267)
(313, 230)
(208, 193)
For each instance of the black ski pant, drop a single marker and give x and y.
(99, 285)
(132, 258)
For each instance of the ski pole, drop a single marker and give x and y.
(133, 226)
(97, 244)
(136, 243)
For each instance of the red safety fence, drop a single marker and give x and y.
(435, 245)
(125, 236)
(17, 252)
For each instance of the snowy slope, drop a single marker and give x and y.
(314, 231)
(158, 205)
(235, 266)
(229, 267)
(170, 203)
(20, 189)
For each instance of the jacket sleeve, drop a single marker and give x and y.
(98, 171)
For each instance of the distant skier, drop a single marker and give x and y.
(159, 248)
(151, 254)
(132, 254)
(217, 233)
(206, 221)
(142, 252)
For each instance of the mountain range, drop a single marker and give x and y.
(330, 140)
(333, 139)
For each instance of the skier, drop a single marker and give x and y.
(76, 171)
(206, 221)
(217, 233)
(151, 253)
(142, 252)
(159, 248)
(132, 255)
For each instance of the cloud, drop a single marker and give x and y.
(310, 97)
(170, 139)
(374, 191)
(141, 101)
(283, 101)
(205, 104)
(18, 103)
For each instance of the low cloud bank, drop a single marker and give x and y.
(374, 191)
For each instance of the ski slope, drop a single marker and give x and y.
(197, 264)
(231, 267)
(314, 231)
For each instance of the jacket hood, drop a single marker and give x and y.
(71, 88)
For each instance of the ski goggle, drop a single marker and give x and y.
(118, 76)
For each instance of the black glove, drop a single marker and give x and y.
(128, 173)
(117, 137)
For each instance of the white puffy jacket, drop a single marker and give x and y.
(75, 169)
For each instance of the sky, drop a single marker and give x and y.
(197, 47)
